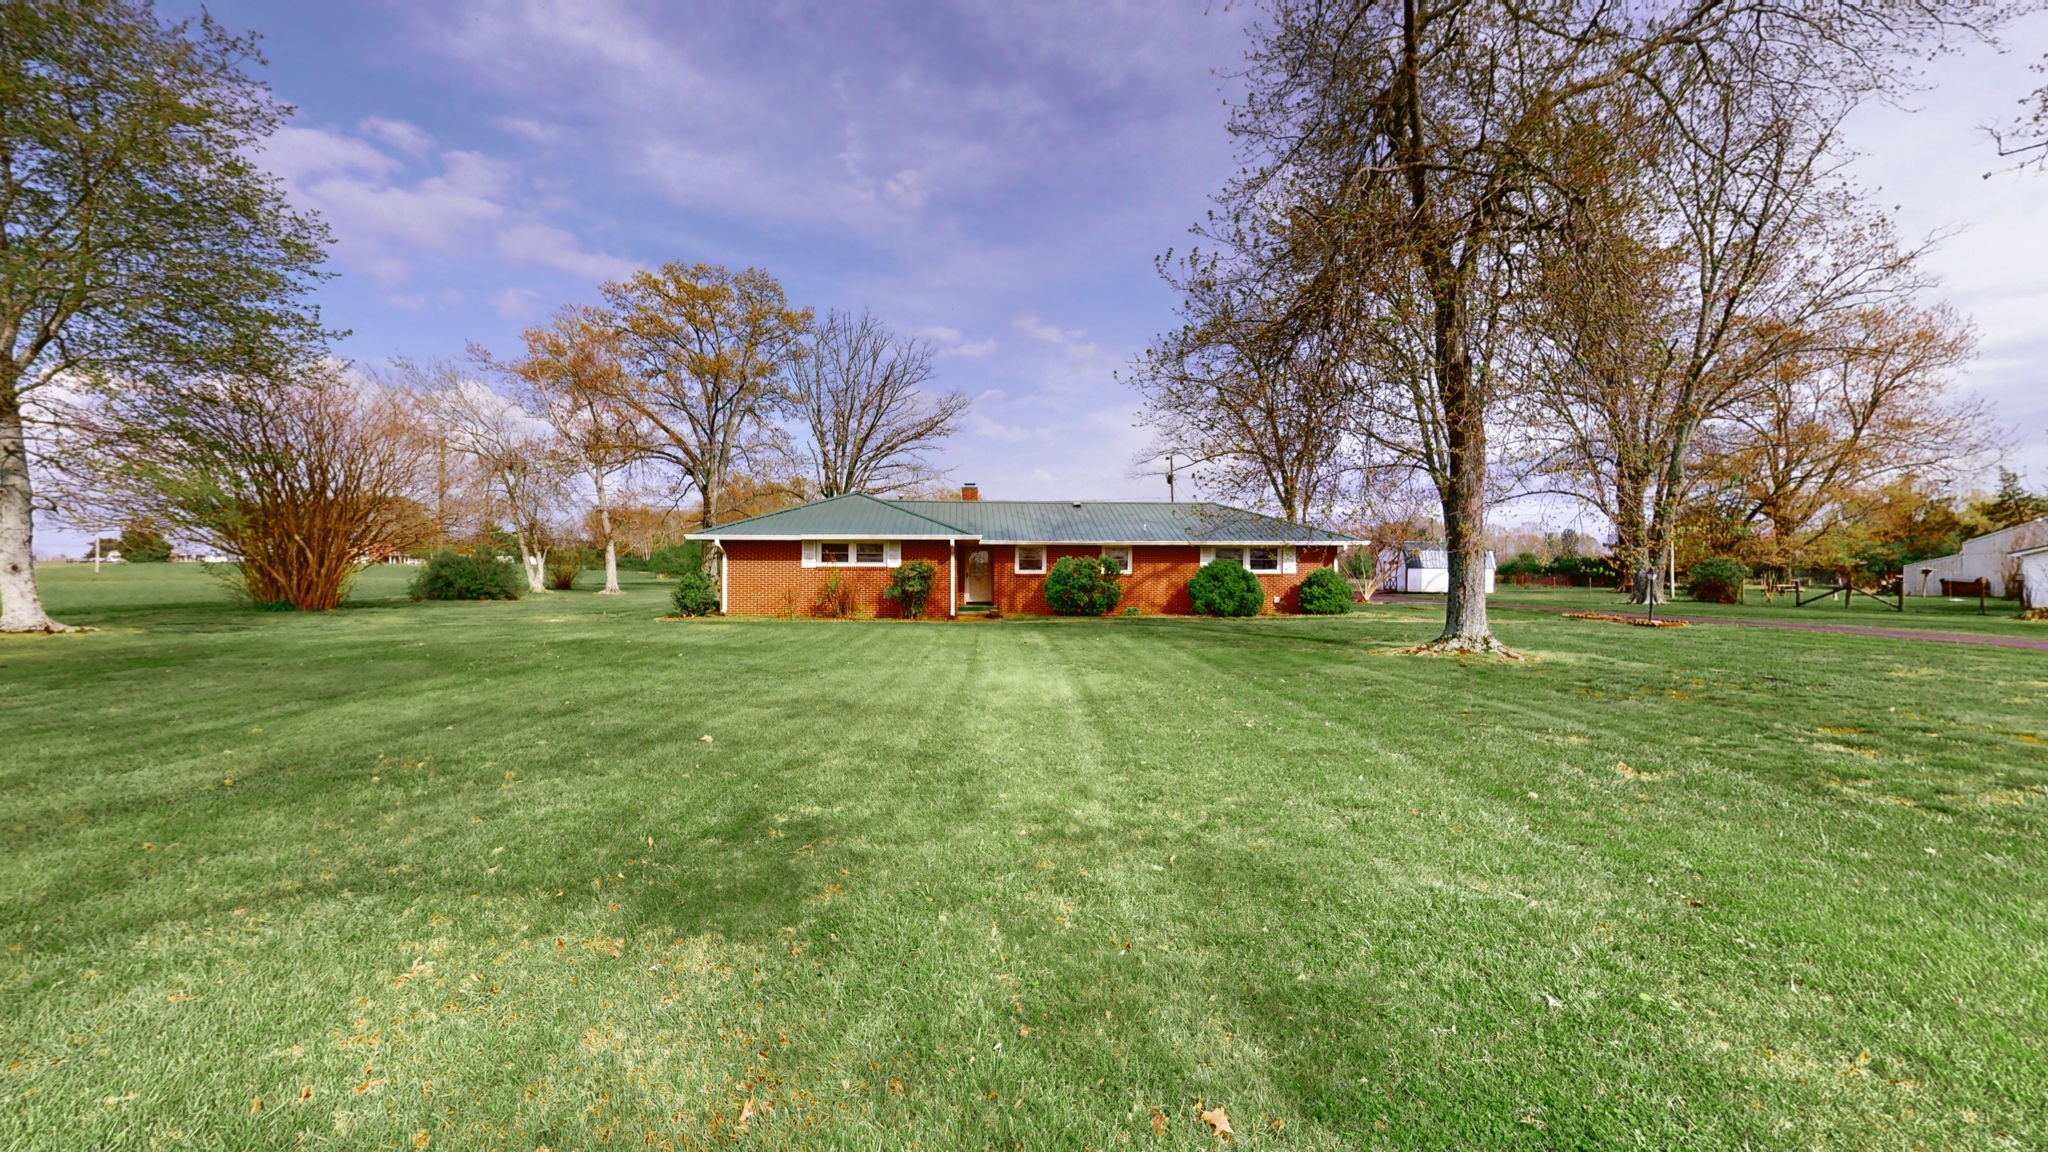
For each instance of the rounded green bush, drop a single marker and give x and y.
(477, 575)
(1223, 588)
(1082, 586)
(1325, 593)
(696, 594)
(1718, 580)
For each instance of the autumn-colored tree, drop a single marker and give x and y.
(303, 478)
(572, 378)
(859, 391)
(1862, 403)
(143, 244)
(707, 353)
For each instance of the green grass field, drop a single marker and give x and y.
(555, 874)
(1933, 613)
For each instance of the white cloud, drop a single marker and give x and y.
(408, 138)
(385, 214)
(516, 303)
(551, 247)
(528, 128)
(952, 342)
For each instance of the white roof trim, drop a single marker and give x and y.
(716, 535)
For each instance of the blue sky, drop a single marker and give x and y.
(999, 177)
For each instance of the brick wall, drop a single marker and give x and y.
(1156, 585)
(768, 578)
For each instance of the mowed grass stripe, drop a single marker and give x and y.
(1255, 864)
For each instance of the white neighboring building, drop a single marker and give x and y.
(2034, 575)
(1425, 568)
(1989, 557)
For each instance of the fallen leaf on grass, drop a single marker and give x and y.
(706, 738)
(256, 1105)
(306, 1093)
(1218, 1120)
(1158, 1123)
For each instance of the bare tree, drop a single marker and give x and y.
(1265, 410)
(572, 378)
(512, 450)
(707, 353)
(303, 478)
(860, 391)
(1403, 154)
(1718, 245)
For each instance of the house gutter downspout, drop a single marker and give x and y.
(952, 580)
(724, 578)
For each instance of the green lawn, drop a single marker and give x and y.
(1999, 617)
(553, 873)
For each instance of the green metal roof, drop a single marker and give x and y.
(853, 516)
(1025, 522)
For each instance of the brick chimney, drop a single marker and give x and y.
(970, 492)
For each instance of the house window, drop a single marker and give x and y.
(1234, 555)
(1264, 559)
(1121, 557)
(853, 553)
(1030, 559)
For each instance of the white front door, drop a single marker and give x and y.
(981, 585)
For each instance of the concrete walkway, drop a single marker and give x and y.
(1982, 639)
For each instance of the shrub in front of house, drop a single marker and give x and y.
(477, 575)
(1718, 580)
(695, 594)
(1082, 586)
(1222, 588)
(913, 586)
(1325, 593)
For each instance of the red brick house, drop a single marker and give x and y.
(994, 554)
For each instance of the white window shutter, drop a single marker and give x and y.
(810, 553)
(1208, 554)
(1287, 559)
(892, 553)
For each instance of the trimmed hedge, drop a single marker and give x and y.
(1325, 593)
(477, 575)
(1224, 588)
(677, 559)
(1082, 586)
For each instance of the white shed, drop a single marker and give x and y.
(1427, 568)
(2033, 564)
(1992, 558)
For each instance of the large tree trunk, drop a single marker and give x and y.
(1462, 489)
(611, 544)
(21, 608)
